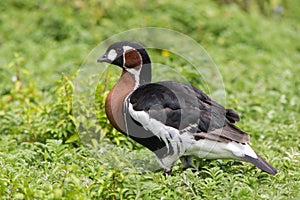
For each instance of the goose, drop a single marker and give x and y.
(174, 120)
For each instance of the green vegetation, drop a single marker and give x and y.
(42, 45)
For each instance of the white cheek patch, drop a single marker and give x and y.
(112, 54)
(126, 48)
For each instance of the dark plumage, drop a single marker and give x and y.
(172, 119)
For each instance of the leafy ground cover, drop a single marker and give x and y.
(42, 45)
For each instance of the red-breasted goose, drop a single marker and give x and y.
(174, 120)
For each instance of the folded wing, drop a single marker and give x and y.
(188, 109)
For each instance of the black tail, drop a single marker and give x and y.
(261, 164)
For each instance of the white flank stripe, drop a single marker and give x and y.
(165, 133)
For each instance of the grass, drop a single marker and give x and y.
(42, 46)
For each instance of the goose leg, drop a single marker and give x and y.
(186, 162)
(168, 172)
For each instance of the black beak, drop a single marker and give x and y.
(103, 59)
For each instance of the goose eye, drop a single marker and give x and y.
(119, 50)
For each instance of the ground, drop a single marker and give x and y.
(42, 46)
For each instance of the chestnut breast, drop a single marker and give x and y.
(115, 100)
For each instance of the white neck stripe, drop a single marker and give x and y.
(136, 74)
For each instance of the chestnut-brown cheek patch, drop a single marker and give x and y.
(132, 58)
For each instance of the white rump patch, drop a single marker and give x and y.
(241, 150)
(210, 149)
